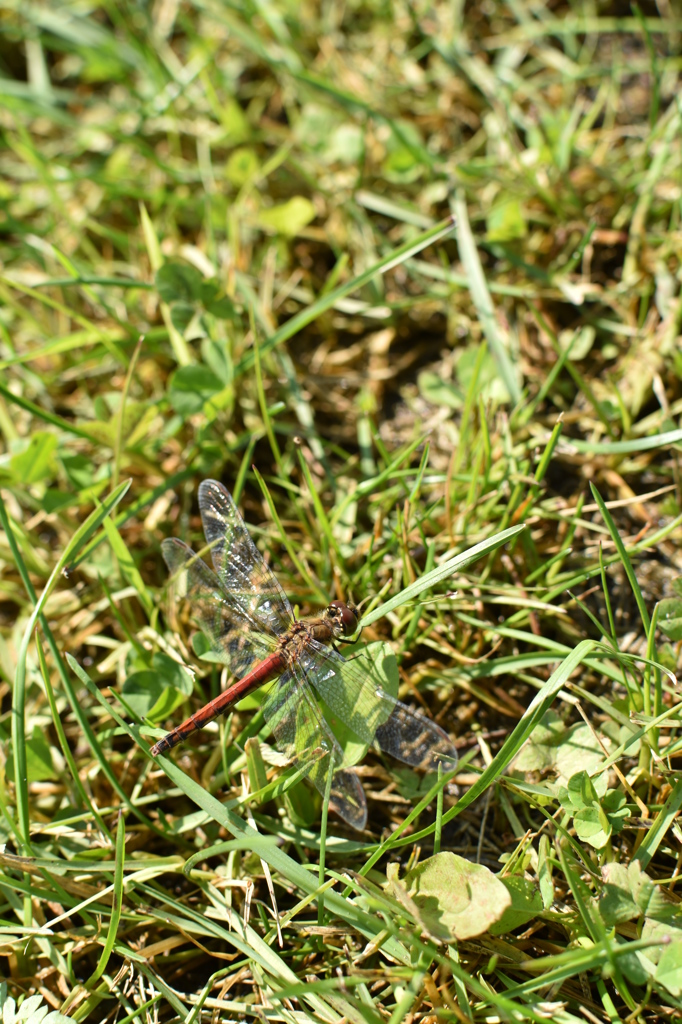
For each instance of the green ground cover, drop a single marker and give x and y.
(406, 278)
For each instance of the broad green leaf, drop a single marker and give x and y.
(39, 766)
(663, 932)
(36, 461)
(629, 892)
(155, 693)
(648, 896)
(178, 282)
(54, 499)
(235, 121)
(616, 903)
(203, 648)
(303, 804)
(434, 389)
(101, 64)
(106, 429)
(567, 750)
(539, 752)
(401, 166)
(345, 145)
(670, 617)
(145, 694)
(354, 749)
(580, 793)
(254, 701)
(173, 673)
(79, 469)
(589, 827)
(506, 221)
(635, 964)
(32, 1011)
(182, 314)
(451, 897)
(191, 386)
(669, 970)
(223, 399)
(287, 218)
(412, 785)
(242, 166)
(594, 819)
(217, 303)
(580, 750)
(526, 903)
(406, 157)
(614, 805)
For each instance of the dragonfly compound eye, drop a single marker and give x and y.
(346, 615)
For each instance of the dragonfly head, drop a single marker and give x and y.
(344, 617)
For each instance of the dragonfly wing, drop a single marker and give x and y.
(303, 735)
(239, 564)
(234, 636)
(359, 700)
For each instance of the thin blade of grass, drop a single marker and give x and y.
(116, 905)
(326, 301)
(480, 295)
(82, 534)
(538, 707)
(442, 572)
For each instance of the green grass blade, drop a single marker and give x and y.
(327, 301)
(116, 906)
(80, 537)
(439, 574)
(480, 295)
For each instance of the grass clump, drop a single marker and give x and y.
(407, 279)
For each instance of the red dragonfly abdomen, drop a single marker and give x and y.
(268, 669)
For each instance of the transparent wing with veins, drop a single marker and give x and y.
(304, 736)
(235, 635)
(239, 565)
(241, 606)
(350, 691)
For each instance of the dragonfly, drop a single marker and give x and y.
(242, 609)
